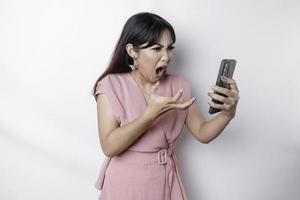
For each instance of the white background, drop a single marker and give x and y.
(52, 52)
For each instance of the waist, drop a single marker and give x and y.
(145, 158)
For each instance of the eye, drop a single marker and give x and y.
(159, 48)
(171, 47)
(156, 48)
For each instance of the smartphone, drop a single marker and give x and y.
(226, 69)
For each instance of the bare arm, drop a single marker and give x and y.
(113, 138)
(194, 121)
(206, 131)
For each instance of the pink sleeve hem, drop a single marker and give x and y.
(105, 87)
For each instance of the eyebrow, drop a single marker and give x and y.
(163, 45)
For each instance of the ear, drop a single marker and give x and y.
(130, 50)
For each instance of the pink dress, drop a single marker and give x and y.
(147, 170)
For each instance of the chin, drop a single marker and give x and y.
(161, 77)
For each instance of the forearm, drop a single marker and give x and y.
(121, 138)
(212, 128)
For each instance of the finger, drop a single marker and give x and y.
(219, 106)
(222, 90)
(215, 105)
(231, 82)
(177, 96)
(219, 97)
(184, 105)
(187, 103)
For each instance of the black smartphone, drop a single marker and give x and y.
(226, 69)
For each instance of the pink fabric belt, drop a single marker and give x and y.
(162, 157)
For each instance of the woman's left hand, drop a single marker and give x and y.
(230, 102)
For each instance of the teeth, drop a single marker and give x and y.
(160, 70)
(157, 70)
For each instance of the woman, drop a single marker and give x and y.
(141, 112)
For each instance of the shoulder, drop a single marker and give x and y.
(112, 80)
(179, 80)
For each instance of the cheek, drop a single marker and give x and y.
(149, 61)
(151, 57)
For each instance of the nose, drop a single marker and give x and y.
(166, 56)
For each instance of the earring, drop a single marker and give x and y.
(134, 66)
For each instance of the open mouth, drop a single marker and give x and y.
(160, 71)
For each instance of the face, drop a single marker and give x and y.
(152, 62)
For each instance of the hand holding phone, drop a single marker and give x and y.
(226, 69)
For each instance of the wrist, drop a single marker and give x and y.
(149, 116)
(226, 117)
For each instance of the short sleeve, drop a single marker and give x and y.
(107, 86)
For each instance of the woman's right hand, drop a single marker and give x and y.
(158, 105)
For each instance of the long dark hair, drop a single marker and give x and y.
(139, 29)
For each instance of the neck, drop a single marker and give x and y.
(141, 79)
